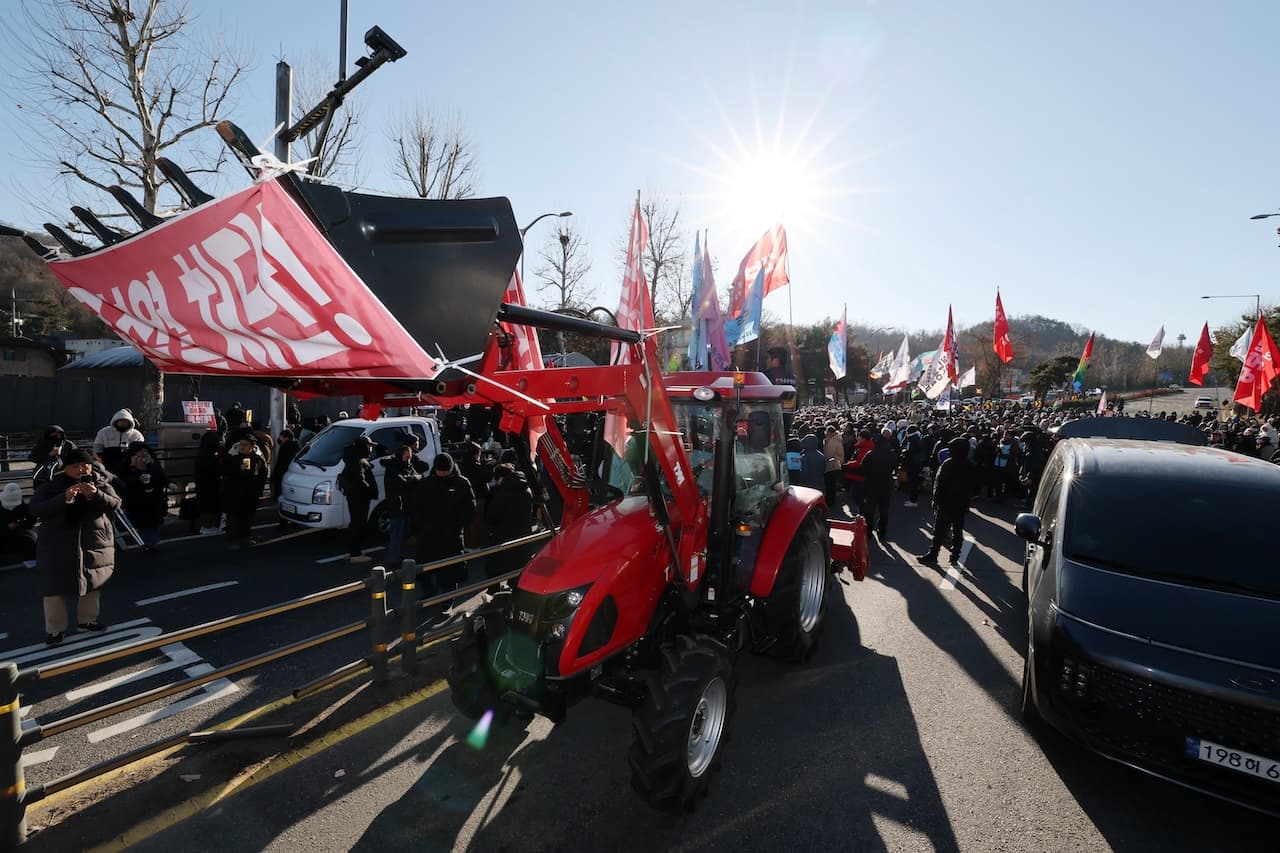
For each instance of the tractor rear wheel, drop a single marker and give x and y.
(795, 610)
(681, 728)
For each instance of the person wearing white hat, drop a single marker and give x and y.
(17, 526)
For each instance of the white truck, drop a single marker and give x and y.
(309, 492)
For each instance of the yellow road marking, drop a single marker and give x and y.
(283, 761)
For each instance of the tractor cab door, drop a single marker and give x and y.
(760, 472)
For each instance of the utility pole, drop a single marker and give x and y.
(284, 106)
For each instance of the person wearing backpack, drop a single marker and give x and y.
(359, 484)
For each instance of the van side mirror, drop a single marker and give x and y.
(1027, 526)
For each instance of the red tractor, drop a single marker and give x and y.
(673, 555)
(675, 552)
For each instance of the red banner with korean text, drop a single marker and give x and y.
(244, 285)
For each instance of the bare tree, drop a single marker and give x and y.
(433, 154)
(665, 265)
(564, 267)
(111, 85)
(339, 156)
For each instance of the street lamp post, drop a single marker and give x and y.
(525, 230)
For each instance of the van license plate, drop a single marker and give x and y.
(1234, 759)
(289, 508)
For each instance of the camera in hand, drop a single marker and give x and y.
(86, 478)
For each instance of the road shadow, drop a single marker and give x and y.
(825, 756)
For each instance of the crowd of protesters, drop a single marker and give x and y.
(994, 451)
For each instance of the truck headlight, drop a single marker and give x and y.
(322, 493)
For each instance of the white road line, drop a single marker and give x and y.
(212, 690)
(347, 556)
(217, 535)
(40, 756)
(183, 592)
(3, 636)
(81, 643)
(178, 654)
(953, 572)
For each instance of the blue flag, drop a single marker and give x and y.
(746, 328)
(697, 337)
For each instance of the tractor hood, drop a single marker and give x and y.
(600, 544)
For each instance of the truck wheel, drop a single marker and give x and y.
(682, 727)
(470, 686)
(795, 610)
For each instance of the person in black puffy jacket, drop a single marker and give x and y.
(442, 507)
(953, 488)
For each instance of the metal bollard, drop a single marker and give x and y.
(13, 816)
(378, 622)
(408, 577)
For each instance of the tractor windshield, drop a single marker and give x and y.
(699, 426)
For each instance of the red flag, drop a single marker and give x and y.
(770, 252)
(244, 285)
(1002, 345)
(1261, 367)
(635, 311)
(524, 354)
(1200, 361)
(369, 411)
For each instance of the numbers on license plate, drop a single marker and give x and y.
(289, 507)
(1235, 759)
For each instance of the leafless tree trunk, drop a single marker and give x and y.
(433, 154)
(564, 267)
(339, 157)
(108, 86)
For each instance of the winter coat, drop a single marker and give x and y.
(76, 548)
(242, 480)
(399, 480)
(914, 452)
(208, 473)
(442, 509)
(509, 515)
(283, 457)
(357, 478)
(47, 456)
(21, 537)
(853, 467)
(110, 443)
(833, 450)
(879, 464)
(813, 464)
(146, 503)
(956, 480)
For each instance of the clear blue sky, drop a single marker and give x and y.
(1098, 161)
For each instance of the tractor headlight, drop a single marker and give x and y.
(322, 493)
(563, 605)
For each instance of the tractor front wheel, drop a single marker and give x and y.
(796, 608)
(682, 727)
(470, 686)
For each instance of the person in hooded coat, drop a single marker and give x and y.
(953, 488)
(17, 536)
(208, 479)
(443, 504)
(76, 546)
(146, 499)
(111, 444)
(508, 516)
(47, 454)
(361, 489)
(813, 464)
(244, 473)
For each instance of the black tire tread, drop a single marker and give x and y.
(659, 772)
(782, 608)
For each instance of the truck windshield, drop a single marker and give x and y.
(326, 448)
(1205, 529)
(699, 427)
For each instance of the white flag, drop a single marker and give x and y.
(970, 377)
(900, 374)
(1102, 405)
(1240, 348)
(1157, 344)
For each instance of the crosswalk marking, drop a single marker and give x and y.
(953, 572)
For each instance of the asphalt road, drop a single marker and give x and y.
(902, 733)
(1182, 402)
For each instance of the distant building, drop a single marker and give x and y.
(24, 357)
(88, 346)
